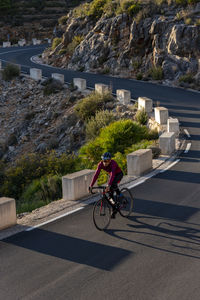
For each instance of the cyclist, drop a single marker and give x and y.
(116, 174)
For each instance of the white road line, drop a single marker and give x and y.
(187, 148)
(170, 166)
(57, 218)
(186, 132)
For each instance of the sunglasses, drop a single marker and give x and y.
(106, 160)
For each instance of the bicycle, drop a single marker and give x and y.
(103, 209)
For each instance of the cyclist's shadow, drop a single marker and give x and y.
(162, 221)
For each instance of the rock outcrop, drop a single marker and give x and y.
(121, 45)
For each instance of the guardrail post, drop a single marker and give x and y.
(75, 185)
(36, 74)
(139, 162)
(80, 83)
(173, 126)
(102, 88)
(59, 77)
(7, 212)
(124, 96)
(161, 115)
(167, 143)
(145, 103)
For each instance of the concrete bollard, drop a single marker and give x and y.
(102, 88)
(22, 43)
(6, 44)
(124, 96)
(7, 212)
(59, 77)
(167, 143)
(80, 83)
(36, 74)
(139, 161)
(34, 40)
(161, 115)
(75, 185)
(1, 66)
(173, 126)
(145, 103)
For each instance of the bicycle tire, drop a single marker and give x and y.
(125, 203)
(101, 214)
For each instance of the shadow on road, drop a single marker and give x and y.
(163, 227)
(70, 248)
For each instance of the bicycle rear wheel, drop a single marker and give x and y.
(125, 203)
(101, 214)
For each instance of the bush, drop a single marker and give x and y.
(101, 119)
(187, 78)
(10, 72)
(88, 106)
(52, 86)
(34, 166)
(40, 192)
(114, 138)
(75, 42)
(56, 42)
(63, 20)
(156, 73)
(96, 8)
(5, 5)
(141, 117)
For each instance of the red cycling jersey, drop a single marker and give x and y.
(112, 169)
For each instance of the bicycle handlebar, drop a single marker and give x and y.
(97, 188)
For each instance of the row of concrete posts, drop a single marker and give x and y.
(75, 185)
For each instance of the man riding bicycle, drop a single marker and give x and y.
(116, 174)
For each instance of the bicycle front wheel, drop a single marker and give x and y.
(125, 203)
(101, 214)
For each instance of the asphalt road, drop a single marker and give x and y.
(153, 255)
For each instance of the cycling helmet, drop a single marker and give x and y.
(106, 156)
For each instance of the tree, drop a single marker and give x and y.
(5, 5)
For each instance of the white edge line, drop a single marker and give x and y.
(171, 165)
(57, 218)
(187, 148)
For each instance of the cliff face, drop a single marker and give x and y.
(28, 19)
(166, 40)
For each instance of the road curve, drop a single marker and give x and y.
(153, 255)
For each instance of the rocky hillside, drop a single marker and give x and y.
(31, 18)
(146, 40)
(33, 121)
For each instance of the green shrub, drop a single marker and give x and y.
(40, 192)
(181, 2)
(62, 51)
(139, 76)
(101, 119)
(114, 138)
(63, 20)
(10, 72)
(5, 5)
(156, 73)
(56, 42)
(52, 86)
(187, 78)
(96, 8)
(34, 166)
(141, 117)
(75, 42)
(88, 106)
